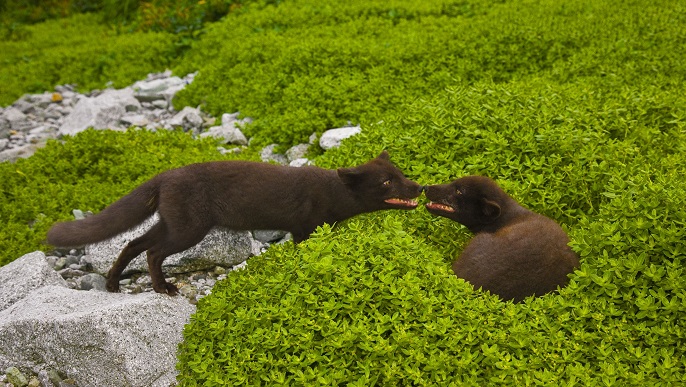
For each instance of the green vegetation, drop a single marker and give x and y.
(577, 109)
(79, 50)
(309, 65)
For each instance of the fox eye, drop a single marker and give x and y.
(387, 182)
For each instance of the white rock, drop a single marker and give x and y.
(332, 138)
(101, 112)
(20, 152)
(134, 120)
(300, 162)
(188, 118)
(25, 274)
(220, 247)
(95, 338)
(297, 152)
(228, 133)
(156, 89)
(14, 115)
(267, 154)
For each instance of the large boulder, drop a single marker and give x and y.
(23, 275)
(95, 338)
(221, 247)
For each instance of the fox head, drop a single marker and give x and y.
(379, 185)
(474, 201)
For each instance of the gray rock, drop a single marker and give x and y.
(93, 281)
(134, 120)
(20, 152)
(13, 114)
(313, 138)
(23, 105)
(25, 274)
(189, 119)
(220, 247)
(297, 152)
(16, 377)
(95, 338)
(101, 112)
(49, 378)
(300, 163)
(3, 143)
(163, 88)
(332, 138)
(228, 133)
(267, 154)
(4, 127)
(269, 236)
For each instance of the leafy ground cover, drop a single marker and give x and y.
(576, 109)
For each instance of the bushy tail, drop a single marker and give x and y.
(120, 216)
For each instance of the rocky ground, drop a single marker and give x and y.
(66, 285)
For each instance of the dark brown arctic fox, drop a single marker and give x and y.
(239, 195)
(515, 253)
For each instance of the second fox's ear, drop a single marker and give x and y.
(490, 208)
(349, 176)
(384, 156)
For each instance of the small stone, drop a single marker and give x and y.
(70, 273)
(144, 279)
(297, 152)
(16, 377)
(68, 383)
(93, 281)
(297, 163)
(57, 97)
(134, 120)
(49, 377)
(332, 138)
(34, 382)
(60, 263)
(125, 282)
(188, 291)
(160, 104)
(72, 258)
(267, 154)
(268, 236)
(218, 270)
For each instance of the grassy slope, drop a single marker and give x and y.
(80, 50)
(576, 109)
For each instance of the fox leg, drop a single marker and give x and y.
(174, 240)
(131, 251)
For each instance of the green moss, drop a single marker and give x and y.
(374, 302)
(79, 50)
(306, 66)
(577, 110)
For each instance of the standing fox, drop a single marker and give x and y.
(515, 253)
(239, 195)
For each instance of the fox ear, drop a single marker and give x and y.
(490, 208)
(384, 156)
(349, 176)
